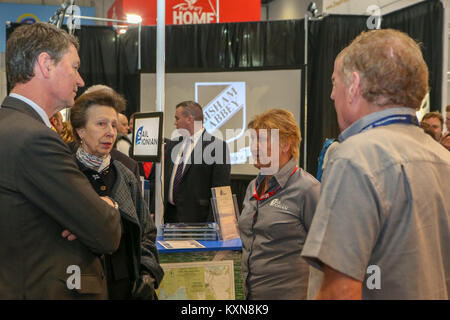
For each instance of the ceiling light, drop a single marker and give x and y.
(134, 18)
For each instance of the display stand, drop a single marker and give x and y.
(224, 207)
(222, 252)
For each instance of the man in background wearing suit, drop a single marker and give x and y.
(53, 226)
(193, 165)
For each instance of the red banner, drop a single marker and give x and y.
(189, 11)
(192, 11)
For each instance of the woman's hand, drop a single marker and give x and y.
(69, 235)
(144, 287)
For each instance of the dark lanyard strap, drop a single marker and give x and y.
(267, 195)
(395, 118)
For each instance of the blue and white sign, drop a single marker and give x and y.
(146, 137)
(30, 13)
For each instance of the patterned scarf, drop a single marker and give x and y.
(93, 162)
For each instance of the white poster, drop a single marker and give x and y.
(146, 136)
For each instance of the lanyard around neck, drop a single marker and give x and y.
(394, 118)
(267, 195)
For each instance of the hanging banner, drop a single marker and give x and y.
(189, 11)
(192, 11)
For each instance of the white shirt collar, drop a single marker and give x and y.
(196, 136)
(192, 142)
(36, 108)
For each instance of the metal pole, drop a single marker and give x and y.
(160, 101)
(445, 64)
(217, 12)
(305, 120)
(139, 45)
(104, 19)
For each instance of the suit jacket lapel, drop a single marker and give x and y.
(20, 106)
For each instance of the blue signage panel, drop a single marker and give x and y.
(30, 13)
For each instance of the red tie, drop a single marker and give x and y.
(147, 168)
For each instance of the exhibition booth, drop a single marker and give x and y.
(260, 65)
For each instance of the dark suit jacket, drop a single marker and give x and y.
(193, 202)
(42, 193)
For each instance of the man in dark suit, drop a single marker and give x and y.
(53, 226)
(194, 163)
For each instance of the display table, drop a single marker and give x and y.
(234, 245)
(202, 273)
